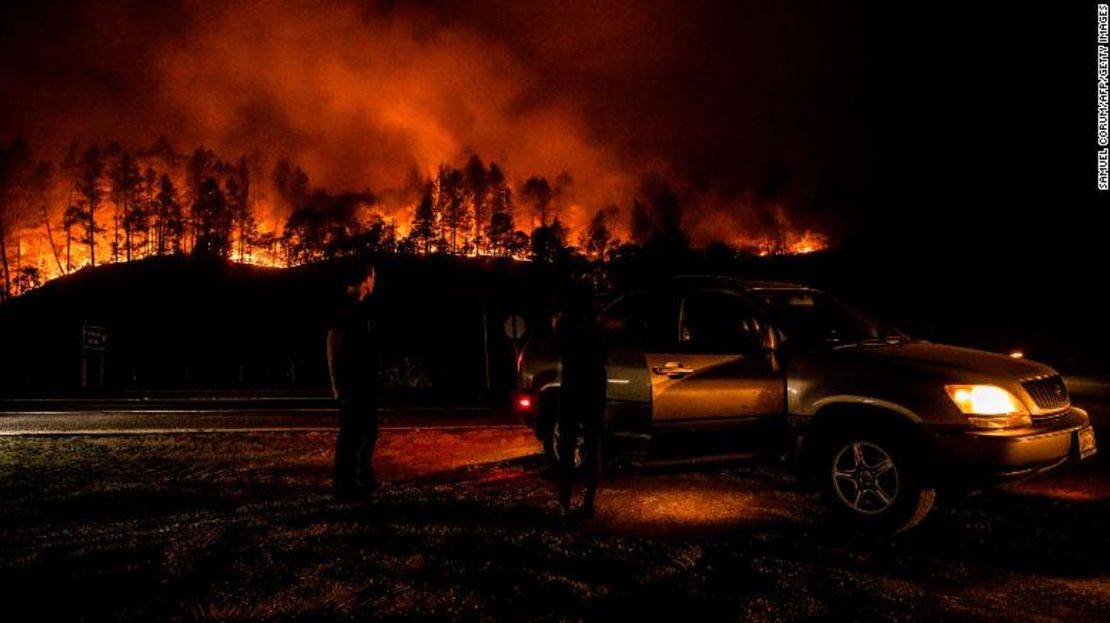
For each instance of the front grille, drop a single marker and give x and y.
(1049, 392)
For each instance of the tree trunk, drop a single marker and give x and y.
(92, 235)
(4, 260)
(50, 237)
(115, 236)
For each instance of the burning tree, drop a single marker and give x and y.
(166, 204)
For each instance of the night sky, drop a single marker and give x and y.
(869, 121)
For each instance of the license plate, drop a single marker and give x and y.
(1085, 440)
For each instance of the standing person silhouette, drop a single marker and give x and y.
(582, 396)
(353, 367)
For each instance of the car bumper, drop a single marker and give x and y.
(985, 457)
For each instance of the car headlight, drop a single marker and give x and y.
(989, 406)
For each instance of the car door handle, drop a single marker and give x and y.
(673, 369)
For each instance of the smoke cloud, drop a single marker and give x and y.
(713, 99)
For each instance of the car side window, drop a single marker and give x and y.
(643, 320)
(713, 321)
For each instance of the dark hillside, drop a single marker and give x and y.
(178, 323)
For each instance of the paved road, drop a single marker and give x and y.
(180, 421)
(281, 414)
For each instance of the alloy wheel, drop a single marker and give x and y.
(865, 477)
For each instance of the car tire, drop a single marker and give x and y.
(874, 482)
(551, 448)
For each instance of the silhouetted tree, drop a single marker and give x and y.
(597, 237)
(451, 204)
(423, 231)
(377, 235)
(171, 224)
(201, 165)
(327, 226)
(212, 221)
(89, 185)
(71, 171)
(238, 198)
(520, 244)
(537, 192)
(125, 180)
(111, 155)
(150, 208)
(501, 226)
(15, 160)
(549, 243)
(406, 246)
(500, 233)
(73, 216)
(477, 186)
(346, 235)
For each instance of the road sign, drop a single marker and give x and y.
(94, 338)
(514, 327)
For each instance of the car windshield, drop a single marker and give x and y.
(809, 318)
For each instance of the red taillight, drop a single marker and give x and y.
(523, 402)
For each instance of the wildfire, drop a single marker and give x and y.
(793, 243)
(809, 242)
(157, 202)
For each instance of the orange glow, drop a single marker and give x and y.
(43, 253)
(793, 243)
(364, 100)
(694, 501)
(809, 242)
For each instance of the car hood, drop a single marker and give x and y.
(942, 357)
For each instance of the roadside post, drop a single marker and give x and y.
(94, 340)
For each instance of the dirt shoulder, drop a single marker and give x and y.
(240, 527)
